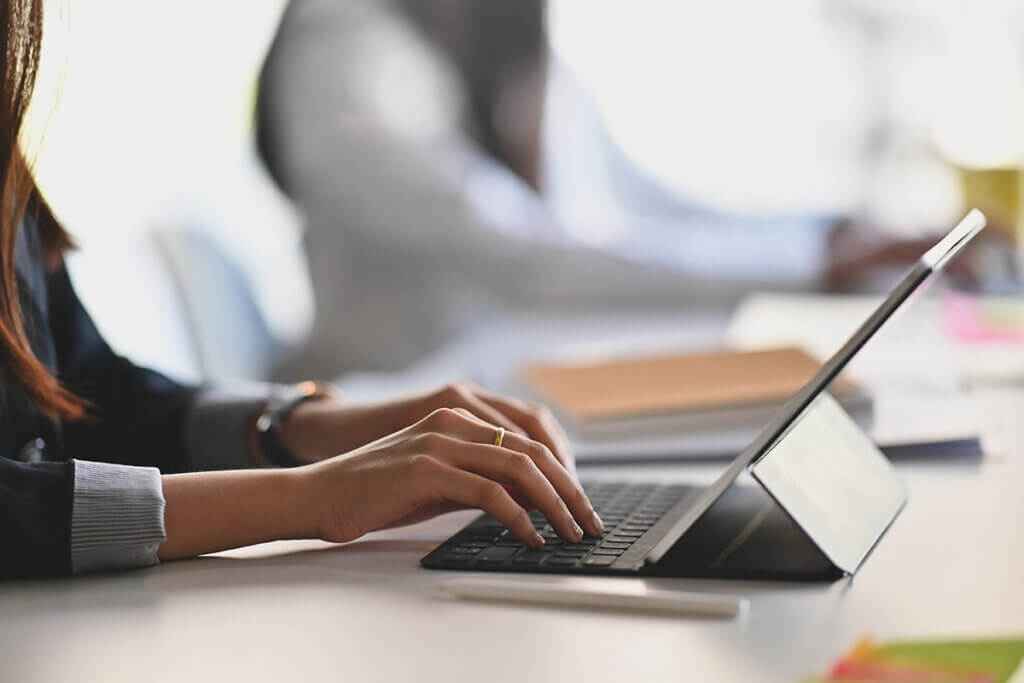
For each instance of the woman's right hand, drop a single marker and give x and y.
(444, 462)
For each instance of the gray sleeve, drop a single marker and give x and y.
(117, 516)
(216, 423)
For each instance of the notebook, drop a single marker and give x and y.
(679, 391)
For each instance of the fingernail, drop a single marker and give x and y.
(577, 532)
(598, 524)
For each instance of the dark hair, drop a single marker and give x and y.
(20, 43)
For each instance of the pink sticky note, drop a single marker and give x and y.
(971, 320)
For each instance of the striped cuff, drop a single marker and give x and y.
(216, 424)
(117, 516)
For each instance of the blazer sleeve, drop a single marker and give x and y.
(77, 516)
(138, 416)
(35, 506)
(103, 507)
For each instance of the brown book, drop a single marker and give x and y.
(677, 383)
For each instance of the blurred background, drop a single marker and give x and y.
(270, 189)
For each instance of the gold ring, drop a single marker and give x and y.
(499, 436)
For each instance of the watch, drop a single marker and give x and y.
(268, 424)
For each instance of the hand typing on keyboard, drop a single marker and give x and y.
(321, 429)
(444, 462)
(627, 510)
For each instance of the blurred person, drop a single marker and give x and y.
(419, 181)
(410, 132)
(96, 452)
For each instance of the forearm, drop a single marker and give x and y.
(322, 429)
(210, 511)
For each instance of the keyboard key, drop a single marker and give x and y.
(609, 551)
(531, 557)
(579, 546)
(599, 560)
(616, 544)
(508, 540)
(500, 554)
(562, 561)
(462, 550)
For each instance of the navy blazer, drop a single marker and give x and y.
(138, 419)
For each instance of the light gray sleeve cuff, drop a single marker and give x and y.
(117, 516)
(216, 423)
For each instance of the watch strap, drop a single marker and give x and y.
(270, 421)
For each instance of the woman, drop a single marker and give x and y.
(94, 449)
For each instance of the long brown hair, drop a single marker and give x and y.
(20, 43)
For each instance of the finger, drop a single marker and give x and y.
(566, 486)
(538, 424)
(511, 467)
(467, 399)
(564, 483)
(462, 487)
(517, 495)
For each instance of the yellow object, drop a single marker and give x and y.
(499, 436)
(864, 648)
(999, 192)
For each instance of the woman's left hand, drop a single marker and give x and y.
(322, 429)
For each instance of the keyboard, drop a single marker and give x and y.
(627, 510)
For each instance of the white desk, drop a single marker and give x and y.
(952, 565)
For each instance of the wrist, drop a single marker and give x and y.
(309, 430)
(279, 433)
(296, 487)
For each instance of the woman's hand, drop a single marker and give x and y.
(322, 429)
(444, 462)
(855, 252)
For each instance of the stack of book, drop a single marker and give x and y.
(688, 405)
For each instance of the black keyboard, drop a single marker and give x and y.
(627, 510)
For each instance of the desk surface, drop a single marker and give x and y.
(950, 566)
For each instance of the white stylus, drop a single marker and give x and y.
(597, 596)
